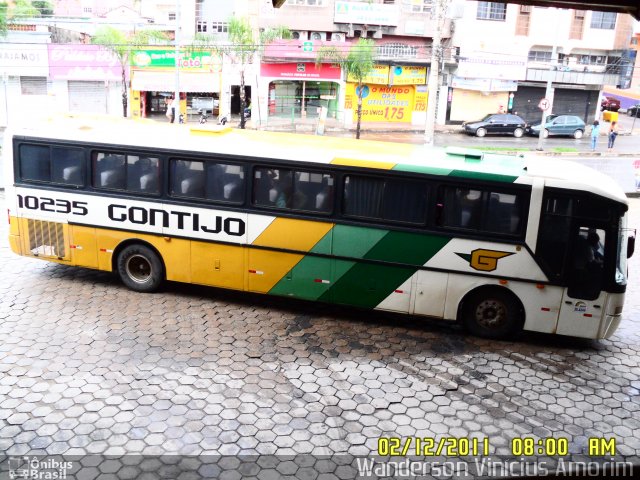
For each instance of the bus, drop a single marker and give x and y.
(500, 243)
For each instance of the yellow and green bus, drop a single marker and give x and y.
(497, 242)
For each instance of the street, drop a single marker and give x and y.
(89, 367)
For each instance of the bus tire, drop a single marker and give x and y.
(492, 313)
(140, 268)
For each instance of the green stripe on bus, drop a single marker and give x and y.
(408, 248)
(495, 177)
(422, 169)
(364, 284)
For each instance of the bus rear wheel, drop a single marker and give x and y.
(492, 313)
(140, 268)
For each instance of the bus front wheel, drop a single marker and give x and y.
(492, 313)
(140, 268)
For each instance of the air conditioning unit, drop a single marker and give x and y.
(318, 36)
(299, 35)
(338, 37)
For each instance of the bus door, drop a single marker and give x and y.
(583, 299)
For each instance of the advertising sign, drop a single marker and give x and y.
(483, 65)
(381, 103)
(189, 61)
(407, 75)
(379, 75)
(301, 71)
(28, 59)
(82, 62)
(366, 13)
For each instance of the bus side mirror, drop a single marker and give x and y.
(631, 246)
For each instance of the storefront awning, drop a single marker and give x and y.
(165, 82)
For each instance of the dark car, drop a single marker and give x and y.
(559, 125)
(610, 103)
(634, 111)
(496, 124)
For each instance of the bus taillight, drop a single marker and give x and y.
(8, 216)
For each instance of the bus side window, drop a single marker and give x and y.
(143, 174)
(109, 171)
(35, 163)
(503, 213)
(272, 187)
(187, 178)
(313, 192)
(462, 207)
(68, 166)
(225, 183)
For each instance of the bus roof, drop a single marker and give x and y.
(457, 162)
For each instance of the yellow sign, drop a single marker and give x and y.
(403, 75)
(484, 260)
(421, 100)
(379, 74)
(381, 103)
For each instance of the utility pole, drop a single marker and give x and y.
(176, 97)
(434, 75)
(549, 92)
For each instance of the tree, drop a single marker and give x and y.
(3, 19)
(357, 63)
(23, 9)
(240, 48)
(121, 44)
(44, 7)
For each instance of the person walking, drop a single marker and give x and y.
(613, 134)
(595, 132)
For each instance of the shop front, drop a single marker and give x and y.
(394, 94)
(85, 78)
(153, 82)
(298, 90)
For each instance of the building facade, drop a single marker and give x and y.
(509, 51)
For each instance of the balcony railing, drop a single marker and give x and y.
(569, 76)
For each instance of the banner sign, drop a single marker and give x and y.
(381, 103)
(189, 61)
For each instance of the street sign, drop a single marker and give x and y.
(307, 46)
(544, 104)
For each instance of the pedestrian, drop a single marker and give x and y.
(613, 133)
(169, 104)
(595, 132)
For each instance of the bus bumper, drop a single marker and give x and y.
(609, 325)
(14, 236)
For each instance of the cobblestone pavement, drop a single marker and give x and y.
(89, 367)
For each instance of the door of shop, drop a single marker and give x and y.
(88, 97)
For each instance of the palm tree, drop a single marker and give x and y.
(121, 44)
(240, 48)
(357, 63)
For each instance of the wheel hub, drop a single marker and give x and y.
(491, 313)
(138, 269)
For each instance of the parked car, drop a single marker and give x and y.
(496, 123)
(610, 103)
(569, 125)
(634, 111)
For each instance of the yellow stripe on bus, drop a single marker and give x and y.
(266, 268)
(355, 162)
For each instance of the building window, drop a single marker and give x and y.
(524, 19)
(219, 27)
(592, 59)
(201, 27)
(87, 10)
(172, 16)
(603, 20)
(491, 11)
(416, 6)
(577, 25)
(308, 3)
(397, 50)
(33, 85)
(539, 56)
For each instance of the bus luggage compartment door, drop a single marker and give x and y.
(430, 293)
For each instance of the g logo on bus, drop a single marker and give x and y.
(484, 260)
